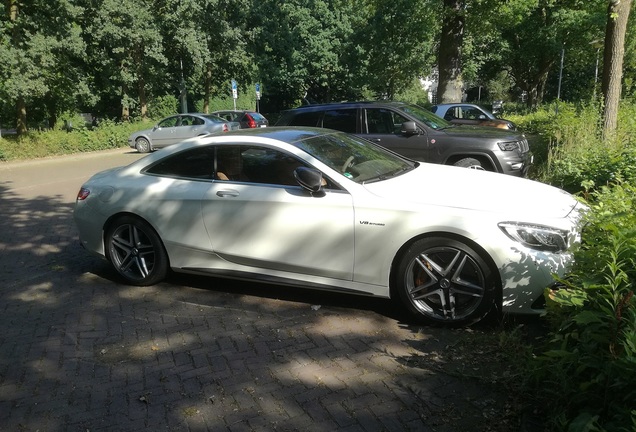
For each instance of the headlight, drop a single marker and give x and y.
(536, 236)
(508, 145)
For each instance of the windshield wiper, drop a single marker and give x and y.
(388, 175)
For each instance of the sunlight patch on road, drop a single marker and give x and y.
(41, 293)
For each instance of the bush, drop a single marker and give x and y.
(588, 370)
(36, 144)
(569, 151)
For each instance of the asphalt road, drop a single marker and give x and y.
(79, 351)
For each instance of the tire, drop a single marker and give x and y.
(442, 281)
(143, 145)
(471, 163)
(136, 252)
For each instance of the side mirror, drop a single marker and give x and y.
(310, 179)
(409, 128)
(482, 117)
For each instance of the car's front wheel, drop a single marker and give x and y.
(136, 251)
(445, 281)
(142, 145)
(471, 163)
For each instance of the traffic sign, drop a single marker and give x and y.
(234, 89)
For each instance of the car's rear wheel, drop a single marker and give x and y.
(471, 163)
(142, 145)
(136, 251)
(444, 281)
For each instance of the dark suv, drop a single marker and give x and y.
(419, 134)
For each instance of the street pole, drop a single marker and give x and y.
(560, 78)
(183, 95)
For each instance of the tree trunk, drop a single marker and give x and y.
(450, 86)
(125, 109)
(143, 99)
(21, 126)
(617, 16)
(13, 10)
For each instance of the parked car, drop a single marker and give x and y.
(418, 134)
(471, 114)
(247, 119)
(177, 128)
(322, 209)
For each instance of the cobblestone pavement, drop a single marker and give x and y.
(81, 352)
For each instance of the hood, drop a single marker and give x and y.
(484, 191)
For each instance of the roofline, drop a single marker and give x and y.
(350, 103)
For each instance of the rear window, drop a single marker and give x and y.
(256, 116)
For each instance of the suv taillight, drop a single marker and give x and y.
(225, 127)
(250, 121)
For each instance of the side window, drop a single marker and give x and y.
(343, 120)
(471, 113)
(452, 114)
(187, 120)
(253, 164)
(269, 166)
(230, 164)
(194, 163)
(169, 122)
(306, 119)
(384, 121)
(196, 121)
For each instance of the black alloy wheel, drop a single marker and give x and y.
(445, 281)
(136, 251)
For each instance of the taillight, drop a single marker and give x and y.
(225, 128)
(83, 194)
(250, 121)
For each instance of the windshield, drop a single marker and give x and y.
(355, 158)
(425, 116)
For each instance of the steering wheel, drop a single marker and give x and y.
(347, 163)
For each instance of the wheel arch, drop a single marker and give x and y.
(114, 217)
(458, 237)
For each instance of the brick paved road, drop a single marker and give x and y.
(81, 352)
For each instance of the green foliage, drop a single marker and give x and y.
(36, 144)
(246, 100)
(569, 150)
(40, 63)
(163, 106)
(100, 57)
(414, 94)
(397, 41)
(588, 371)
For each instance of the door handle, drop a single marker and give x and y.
(227, 193)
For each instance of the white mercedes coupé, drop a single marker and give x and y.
(320, 209)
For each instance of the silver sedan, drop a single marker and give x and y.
(177, 128)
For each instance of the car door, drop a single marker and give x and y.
(258, 218)
(187, 128)
(164, 133)
(383, 126)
